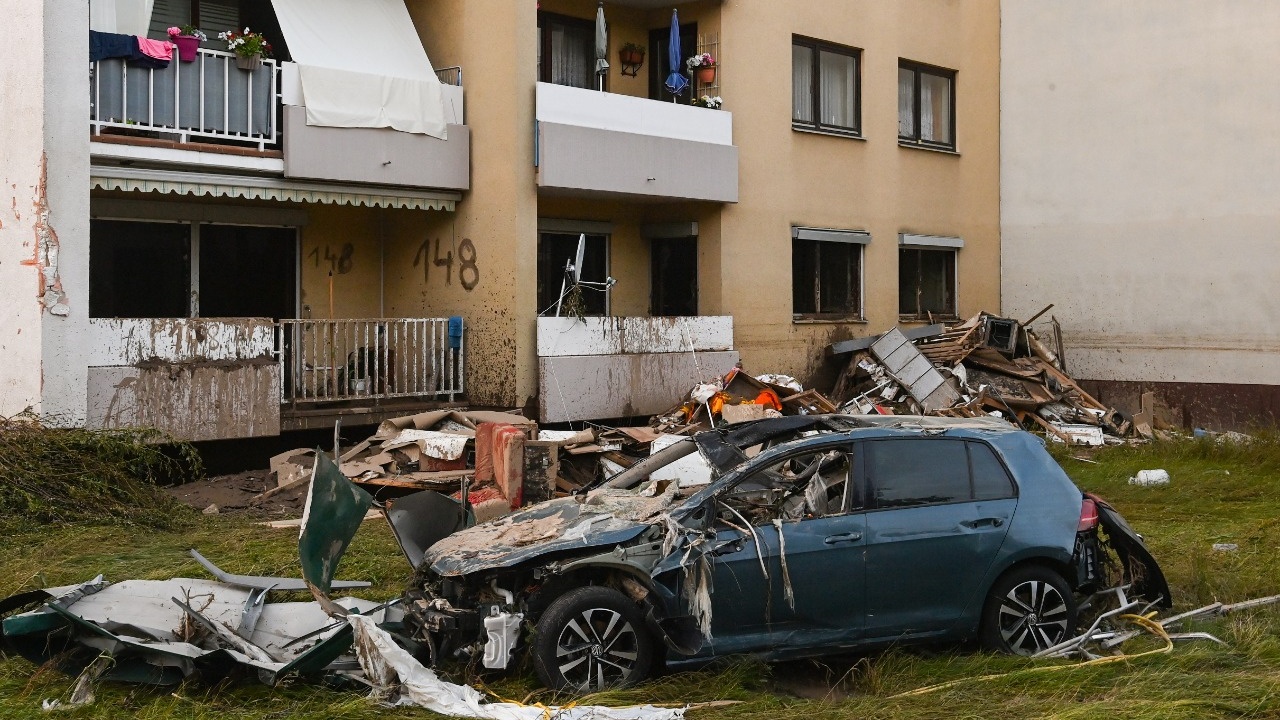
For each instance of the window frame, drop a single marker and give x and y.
(853, 496)
(859, 313)
(605, 235)
(952, 313)
(915, 140)
(544, 46)
(817, 126)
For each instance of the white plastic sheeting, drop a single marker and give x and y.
(391, 669)
(129, 17)
(362, 65)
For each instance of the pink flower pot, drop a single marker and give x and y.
(187, 47)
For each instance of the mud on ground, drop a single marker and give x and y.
(235, 493)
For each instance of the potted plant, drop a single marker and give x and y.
(250, 47)
(188, 39)
(631, 54)
(703, 66)
(709, 101)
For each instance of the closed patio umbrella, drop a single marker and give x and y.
(676, 82)
(602, 47)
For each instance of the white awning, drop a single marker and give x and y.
(362, 65)
(256, 188)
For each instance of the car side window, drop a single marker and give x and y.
(990, 480)
(804, 485)
(926, 471)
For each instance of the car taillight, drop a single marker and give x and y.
(1088, 515)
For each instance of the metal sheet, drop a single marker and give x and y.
(611, 386)
(335, 509)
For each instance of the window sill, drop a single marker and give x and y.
(820, 320)
(829, 133)
(924, 320)
(928, 148)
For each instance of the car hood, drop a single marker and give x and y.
(602, 517)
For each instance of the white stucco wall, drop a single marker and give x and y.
(21, 143)
(1140, 166)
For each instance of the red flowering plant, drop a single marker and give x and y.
(247, 43)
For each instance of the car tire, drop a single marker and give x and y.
(592, 638)
(1028, 610)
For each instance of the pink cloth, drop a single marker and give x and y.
(158, 49)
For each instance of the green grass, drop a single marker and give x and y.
(1218, 494)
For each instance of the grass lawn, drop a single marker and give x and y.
(1219, 494)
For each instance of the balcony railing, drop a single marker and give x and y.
(364, 360)
(208, 98)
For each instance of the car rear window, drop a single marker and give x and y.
(990, 480)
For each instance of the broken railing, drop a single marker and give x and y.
(210, 97)
(370, 359)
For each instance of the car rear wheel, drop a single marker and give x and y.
(1028, 610)
(592, 638)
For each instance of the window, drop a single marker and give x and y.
(926, 106)
(826, 274)
(906, 473)
(673, 276)
(566, 51)
(811, 484)
(990, 479)
(139, 269)
(926, 282)
(657, 60)
(555, 250)
(824, 87)
(215, 16)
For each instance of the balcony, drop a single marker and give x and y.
(592, 143)
(210, 115)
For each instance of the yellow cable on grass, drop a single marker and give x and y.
(1146, 623)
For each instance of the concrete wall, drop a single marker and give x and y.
(1140, 170)
(796, 178)
(21, 169)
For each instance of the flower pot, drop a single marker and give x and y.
(249, 62)
(707, 74)
(187, 47)
(631, 57)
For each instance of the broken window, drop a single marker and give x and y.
(555, 251)
(674, 276)
(805, 485)
(566, 51)
(926, 106)
(926, 282)
(139, 269)
(247, 271)
(824, 87)
(826, 274)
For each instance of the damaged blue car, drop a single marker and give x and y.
(780, 538)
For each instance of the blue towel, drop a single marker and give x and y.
(103, 45)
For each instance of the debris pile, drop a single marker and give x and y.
(987, 365)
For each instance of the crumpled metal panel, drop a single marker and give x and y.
(335, 509)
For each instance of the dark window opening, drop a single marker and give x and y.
(247, 271)
(826, 279)
(555, 250)
(567, 51)
(990, 480)
(926, 283)
(674, 276)
(907, 473)
(660, 64)
(825, 88)
(813, 484)
(926, 105)
(139, 269)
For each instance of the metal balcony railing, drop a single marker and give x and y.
(210, 97)
(369, 359)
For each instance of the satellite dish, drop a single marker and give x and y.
(577, 258)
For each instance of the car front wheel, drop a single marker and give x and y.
(592, 638)
(1028, 610)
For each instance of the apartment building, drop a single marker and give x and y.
(227, 252)
(1139, 165)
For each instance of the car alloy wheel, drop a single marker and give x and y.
(1028, 611)
(590, 639)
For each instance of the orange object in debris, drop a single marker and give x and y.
(769, 398)
(484, 451)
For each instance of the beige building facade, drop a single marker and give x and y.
(252, 276)
(1139, 171)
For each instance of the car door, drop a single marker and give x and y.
(938, 511)
(817, 532)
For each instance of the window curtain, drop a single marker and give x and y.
(362, 65)
(128, 17)
(801, 84)
(572, 56)
(906, 103)
(836, 92)
(935, 108)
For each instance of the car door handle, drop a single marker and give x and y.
(981, 522)
(843, 538)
